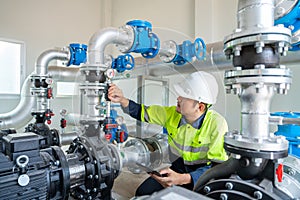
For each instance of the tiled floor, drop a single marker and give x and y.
(126, 184)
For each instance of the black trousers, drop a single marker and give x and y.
(150, 185)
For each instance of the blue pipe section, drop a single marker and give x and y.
(292, 19)
(77, 54)
(187, 50)
(145, 42)
(123, 62)
(290, 131)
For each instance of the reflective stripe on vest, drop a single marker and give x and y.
(190, 148)
(194, 162)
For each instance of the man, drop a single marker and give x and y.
(195, 133)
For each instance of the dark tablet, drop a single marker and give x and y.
(150, 170)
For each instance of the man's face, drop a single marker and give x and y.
(186, 106)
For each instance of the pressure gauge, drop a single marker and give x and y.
(120, 120)
(110, 73)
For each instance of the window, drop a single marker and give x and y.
(12, 67)
(65, 89)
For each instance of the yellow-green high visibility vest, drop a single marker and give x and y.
(195, 146)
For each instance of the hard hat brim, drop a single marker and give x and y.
(183, 93)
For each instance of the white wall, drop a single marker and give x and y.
(177, 15)
(45, 25)
(214, 19)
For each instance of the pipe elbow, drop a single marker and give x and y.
(44, 59)
(101, 39)
(20, 115)
(222, 170)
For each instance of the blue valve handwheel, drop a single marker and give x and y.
(200, 49)
(128, 61)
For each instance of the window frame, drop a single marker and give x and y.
(22, 68)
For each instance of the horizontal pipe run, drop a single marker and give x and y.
(284, 120)
(215, 61)
(65, 74)
(67, 138)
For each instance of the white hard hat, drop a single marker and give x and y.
(200, 86)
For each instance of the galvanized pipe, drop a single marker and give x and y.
(99, 41)
(255, 111)
(21, 115)
(278, 120)
(65, 74)
(255, 14)
(44, 59)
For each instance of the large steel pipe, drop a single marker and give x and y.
(21, 115)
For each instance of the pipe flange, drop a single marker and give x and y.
(81, 147)
(90, 85)
(162, 140)
(239, 152)
(85, 68)
(155, 152)
(280, 79)
(268, 35)
(274, 30)
(117, 158)
(236, 189)
(168, 51)
(258, 72)
(39, 76)
(94, 74)
(63, 163)
(92, 89)
(278, 36)
(38, 91)
(127, 44)
(271, 144)
(40, 84)
(143, 154)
